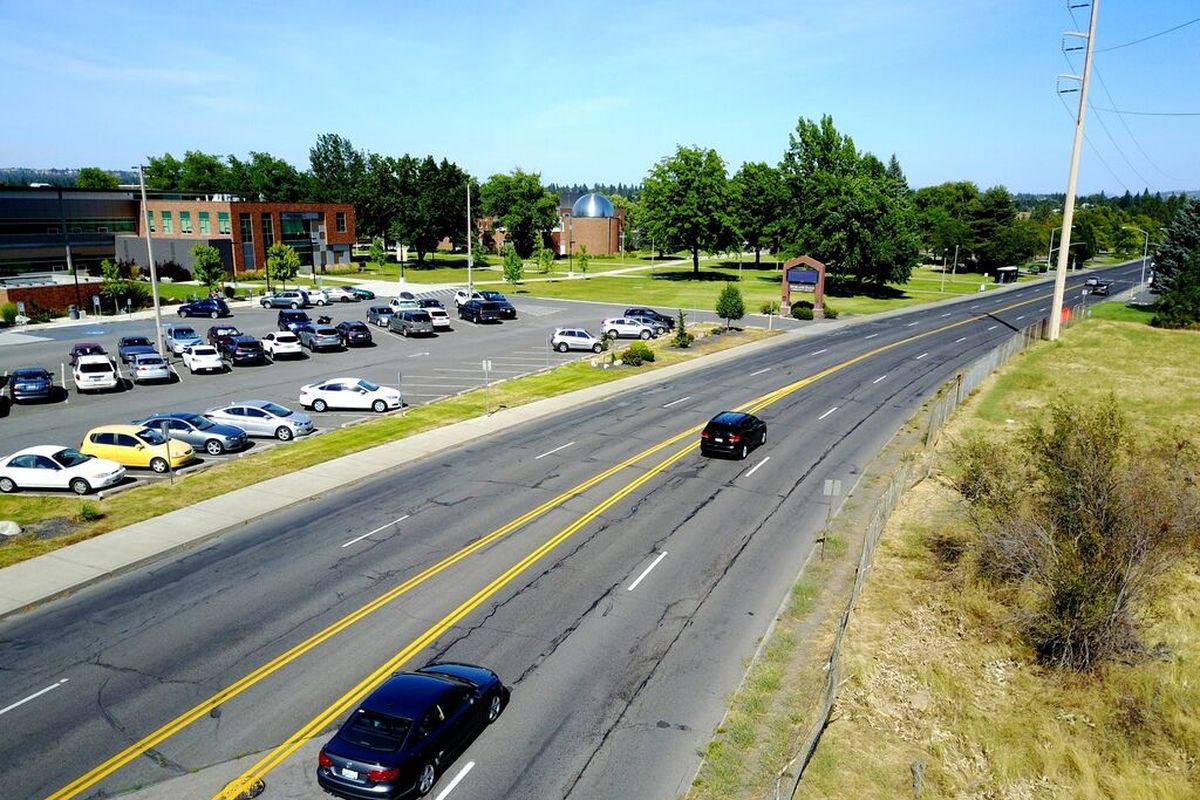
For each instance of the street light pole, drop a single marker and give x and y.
(158, 331)
(1145, 255)
(470, 241)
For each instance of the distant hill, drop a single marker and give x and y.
(23, 176)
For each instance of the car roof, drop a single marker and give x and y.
(30, 369)
(408, 694)
(41, 450)
(93, 358)
(730, 417)
(115, 428)
(87, 344)
(242, 338)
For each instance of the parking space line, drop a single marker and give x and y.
(827, 413)
(555, 450)
(993, 327)
(377, 530)
(33, 696)
(754, 469)
(646, 571)
(444, 793)
(948, 313)
(677, 402)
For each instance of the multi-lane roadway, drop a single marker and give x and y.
(614, 577)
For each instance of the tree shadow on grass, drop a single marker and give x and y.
(688, 275)
(871, 290)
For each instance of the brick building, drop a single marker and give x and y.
(592, 221)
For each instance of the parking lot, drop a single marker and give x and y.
(425, 369)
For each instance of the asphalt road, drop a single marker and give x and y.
(616, 687)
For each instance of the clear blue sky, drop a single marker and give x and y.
(588, 92)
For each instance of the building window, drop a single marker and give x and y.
(268, 231)
(150, 220)
(341, 221)
(223, 225)
(185, 222)
(205, 227)
(247, 227)
(167, 225)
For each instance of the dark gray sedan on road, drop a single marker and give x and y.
(199, 431)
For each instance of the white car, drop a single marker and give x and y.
(403, 304)
(564, 339)
(627, 328)
(352, 393)
(149, 367)
(339, 294)
(441, 320)
(50, 466)
(282, 343)
(94, 373)
(462, 295)
(202, 358)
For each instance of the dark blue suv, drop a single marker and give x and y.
(212, 307)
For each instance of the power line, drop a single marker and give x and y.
(1147, 38)
(1150, 113)
(1125, 125)
(1107, 132)
(1087, 139)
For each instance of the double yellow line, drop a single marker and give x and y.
(347, 700)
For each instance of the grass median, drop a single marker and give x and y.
(59, 521)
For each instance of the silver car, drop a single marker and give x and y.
(411, 323)
(263, 418)
(149, 367)
(200, 432)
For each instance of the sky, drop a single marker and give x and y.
(597, 92)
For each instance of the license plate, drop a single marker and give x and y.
(719, 440)
(349, 773)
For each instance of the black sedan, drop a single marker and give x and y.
(732, 433)
(408, 730)
(30, 383)
(507, 309)
(354, 333)
(212, 307)
(243, 350)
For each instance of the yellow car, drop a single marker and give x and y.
(136, 446)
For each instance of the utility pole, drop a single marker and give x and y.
(158, 330)
(1145, 255)
(1064, 239)
(470, 241)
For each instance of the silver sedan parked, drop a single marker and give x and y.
(200, 432)
(263, 418)
(148, 367)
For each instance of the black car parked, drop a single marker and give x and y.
(354, 332)
(507, 310)
(290, 319)
(208, 307)
(430, 302)
(651, 314)
(409, 730)
(243, 350)
(479, 311)
(732, 433)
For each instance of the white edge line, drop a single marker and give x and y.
(817, 353)
(760, 372)
(877, 380)
(646, 571)
(36, 695)
(462, 773)
(377, 530)
(754, 469)
(960, 339)
(827, 413)
(922, 356)
(871, 336)
(555, 450)
(676, 402)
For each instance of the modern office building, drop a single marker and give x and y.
(38, 224)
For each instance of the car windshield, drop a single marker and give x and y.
(102, 366)
(203, 351)
(183, 333)
(89, 350)
(376, 731)
(135, 341)
(150, 361)
(370, 387)
(277, 410)
(70, 458)
(150, 436)
(201, 423)
(29, 374)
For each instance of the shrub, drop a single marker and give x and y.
(770, 307)
(831, 312)
(89, 512)
(716, 331)
(682, 337)
(8, 312)
(37, 313)
(172, 271)
(802, 312)
(637, 354)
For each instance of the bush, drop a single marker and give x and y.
(172, 271)
(90, 512)
(716, 331)
(37, 313)
(637, 354)
(802, 312)
(770, 307)
(682, 337)
(8, 312)
(831, 312)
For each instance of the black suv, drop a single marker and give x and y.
(243, 350)
(652, 316)
(507, 310)
(479, 311)
(290, 319)
(732, 433)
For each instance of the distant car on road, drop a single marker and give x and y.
(1101, 288)
(50, 466)
(263, 418)
(129, 346)
(136, 446)
(379, 315)
(650, 313)
(30, 383)
(411, 323)
(564, 339)
(177, 337)
(354, 333)
(292, 298)
(732, 433)
(507, 310)
(200, 432)
(409, 729)
(290, 320)
(627, 328)
(349, 393)
(203, 358)
(95, 373)
(478, 311)
(213, 307)
(319, 337)
(239, 350)
(149, 367)
(282, 344)
(85, 349)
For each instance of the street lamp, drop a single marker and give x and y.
(1145, 255)
(158, 331)
(470, 241)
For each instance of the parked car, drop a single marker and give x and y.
(239, 350)
(282, 344)
(351, 393)
(409, 729)
(507, 310)
(203, 358)
(219, 333)
(650, 313)
(263, 418)
(149, 367)
(50, 466)
(411, 323)
(732, 433)
(318, 297)
(429, 302)
(213, 307)
(627, 328)
(292, 298)
(478, 311)
(462, 295)
(290, 320)
(656, 324)
(404, 294)
(129, 346)
(177, 337)
(319, 337)
(564, 339)
(340, 294)
(214, 438)
(403, 304)
(379, 315)
(439, 317)
(354, 332)
(85, 349)
(95, 373)
(362, 294)
(31, 383)
(136, 446)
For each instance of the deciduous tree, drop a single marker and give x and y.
(337, 168)
(730, 305)
(518, 203)
(95, 178)
(282, 263)
(686, 200)
(207, 267)
(514, 267)
(759, 197)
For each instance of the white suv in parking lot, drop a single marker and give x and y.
(94, 373)
(564, 339)
(627, 328)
